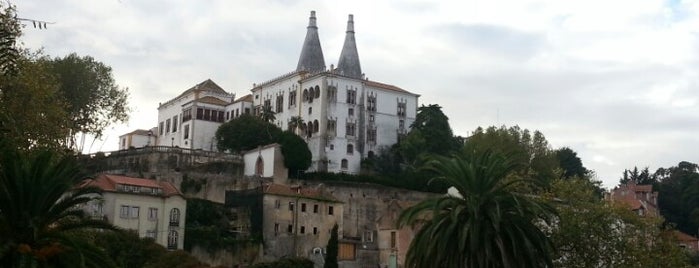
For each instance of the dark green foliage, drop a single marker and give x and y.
(94, 100)
(190, 185)
(571, 164)
(10, 30)
(678, 195)
(127, 249)
(532, 153)
(40, 223)
(175, 259)
(491, 223)
(286, 263)
(331, 250)
(430, 134)
(297, 157)
(245, 133)
(208, 227)
(410, 181)
(642, 177)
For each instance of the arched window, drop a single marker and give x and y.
(343, 164)
(172, 237)
(305, 94)
(317, 92)
(259, 166)
(350, 149)
(175, 217)
(315, 126)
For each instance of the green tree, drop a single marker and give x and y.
(678, 195)
(430, 133)
(297, 157)
(295, 123)
(127, 249)
(245, 133)
(532, 152)
(32, 109)
(570, 163)
(40, 222)
(286, 263)
(490, 224)
(593, 233)
(93, 98)
(267, 114)
(331, 249)
(10, 31)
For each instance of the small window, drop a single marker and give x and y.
(290, 228)
(291, 206)
(167, 126)
(315, 208)
(343, 164)
(350, 149)
(315, 230)
(174, 124)
(369, 236)
(303, 229)
(350, 111)
(152, 214)
(276, 228)
(186, 132)
(277, 204)
(310, 110)
(393, 239)
(172, 238)
(330, 210)
(134, 212)
(303, 208)
(124, 212)
(161, 128)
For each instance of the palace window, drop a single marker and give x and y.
(350, 149)
(401, 109)
(167, 126)
(371, 135)
(152, 214)
(174, 124)
(371, 103)
(172, 238)
(186, 132)
(349, 129)
(343, 164)
(186, 114)
(279, 105)
(175, 217)
(351, 96)
(317, 92)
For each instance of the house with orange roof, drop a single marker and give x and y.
(151, 208)
(638, 197)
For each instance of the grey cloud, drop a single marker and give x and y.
(492, 39)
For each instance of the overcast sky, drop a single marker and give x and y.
(615, 80)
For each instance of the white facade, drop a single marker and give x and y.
(354, 117)
(191, 119)
(137, 139)
(266, 161)
(346, 117)
(150, 208)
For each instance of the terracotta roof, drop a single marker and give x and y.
(108, 183)
(297, 191)
(643, 188)
(684, 237)
(212, 100)
(386, 86)
(246, 98)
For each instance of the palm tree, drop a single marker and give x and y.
(295, 122)
(267, 114)
(41, 223)
(488, 224)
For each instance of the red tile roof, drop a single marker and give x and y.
(684, 237)
(299, 191)
(247, 98)
(386, 86)
(108, 183)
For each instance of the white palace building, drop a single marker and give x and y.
(346, 116)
